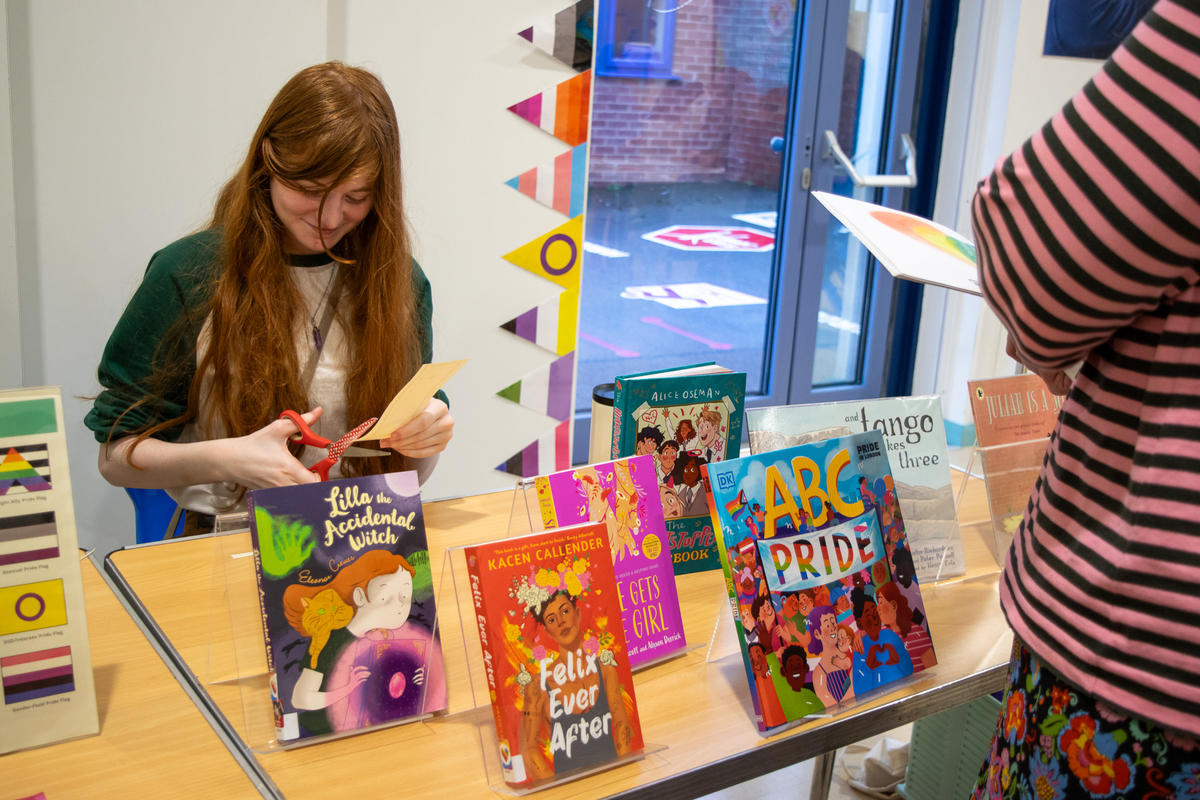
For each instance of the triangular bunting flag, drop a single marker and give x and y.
(550, 453)
(567, 35)
(546, 390)
(558, 183)
(540, 326)
(557, 256)
(562, 111)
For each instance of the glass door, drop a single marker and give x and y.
(702, 241)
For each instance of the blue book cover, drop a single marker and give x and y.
(820, 577)
(348, 605)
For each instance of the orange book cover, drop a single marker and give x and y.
(1013, 409)
(554, 652)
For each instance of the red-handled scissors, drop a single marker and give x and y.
(334, 449)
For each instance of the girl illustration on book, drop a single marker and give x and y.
(619, 514)
(367, 662)
(581, 669)
(898, 617)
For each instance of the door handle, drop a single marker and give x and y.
(906, 180)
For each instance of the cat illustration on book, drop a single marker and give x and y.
(366, 661)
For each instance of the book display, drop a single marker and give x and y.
(46, 682)
(1014, 417)
(915, 435)
(347, 605)
(546, 612)
(624, 495)
(817, 566)
(685, 418)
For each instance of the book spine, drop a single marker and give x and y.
(545, 495)
(262, 610)
(489, 654)
(618, 416)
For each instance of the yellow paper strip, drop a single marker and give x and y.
(412, 399)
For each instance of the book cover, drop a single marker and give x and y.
(554, 652)
(624, 495)
(915, 435)
(1016, 408)
(47, 687)
(684, 418)
(821, 587)
(348, 605)
(908, 246)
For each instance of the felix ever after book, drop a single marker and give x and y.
(347, 602)
(554, 653)
(624, 495)
(823, 594)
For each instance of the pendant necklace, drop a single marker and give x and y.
(318, 330)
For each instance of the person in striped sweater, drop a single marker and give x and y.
(1089, 251)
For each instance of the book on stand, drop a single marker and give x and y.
(685, 418)
(624, 495)
(824, 599)
(554, 653)
(915, 435)
(347, 604)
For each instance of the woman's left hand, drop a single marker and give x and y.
(426, 434)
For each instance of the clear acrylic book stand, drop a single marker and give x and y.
(1009, 472)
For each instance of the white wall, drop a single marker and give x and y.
(1002, 90)
(128, 115)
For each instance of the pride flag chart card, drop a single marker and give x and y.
(908, 246)
(47, 693)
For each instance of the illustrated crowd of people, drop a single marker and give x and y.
(680, 447)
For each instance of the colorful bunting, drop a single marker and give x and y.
(558, 183)
(562, 111)
(567, 35)
(540, 326)
(557, 256)
(547, 389)
(550, 453)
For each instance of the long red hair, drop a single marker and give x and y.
(328, 124)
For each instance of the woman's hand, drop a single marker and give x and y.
(262, 459)
(1057, 381)
(426, 434)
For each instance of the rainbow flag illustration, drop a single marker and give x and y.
(558, 183)
(566, 35)
(546, 390)
(28, 537)
(25, 469)
(40, 673)
(550, 453)
(562, 111)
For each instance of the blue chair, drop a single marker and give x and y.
(153, 509)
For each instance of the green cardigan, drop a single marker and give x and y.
(178, 284)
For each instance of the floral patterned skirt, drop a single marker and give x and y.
(1053, 741)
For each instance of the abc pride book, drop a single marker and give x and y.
(624, 495)
(825, 603)
(554, 653)
(347, 602)
(685, 418)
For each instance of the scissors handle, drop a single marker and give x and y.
(306, 435)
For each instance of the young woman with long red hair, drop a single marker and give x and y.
(302, 293)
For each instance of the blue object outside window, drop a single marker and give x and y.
(635, 39)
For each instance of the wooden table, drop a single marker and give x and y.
(153, 740)
(199, 595)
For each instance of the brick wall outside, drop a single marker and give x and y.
(714, 121)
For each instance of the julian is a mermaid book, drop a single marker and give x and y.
(554, 653)
(824, 597)
(348, 605)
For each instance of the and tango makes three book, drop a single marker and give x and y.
(347, 601)
(825, 600)
(554, 652)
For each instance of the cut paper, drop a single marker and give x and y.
(562, 111)
(28, 537)
(908, 246)
(540, 326)
(546, 390)
(412, 399)
(550, 453)
(25, 469)
(557, 256)
(566, 35)
(40, 673)
(558, 183)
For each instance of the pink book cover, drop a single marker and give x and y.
(624, 495)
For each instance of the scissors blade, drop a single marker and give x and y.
(362, 452)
